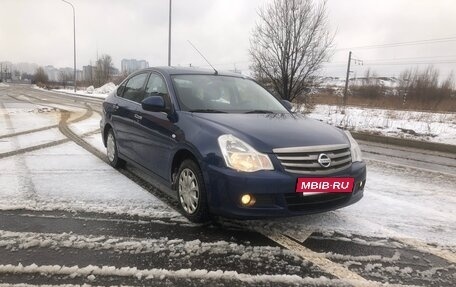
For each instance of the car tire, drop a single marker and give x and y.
(191, 192)
(112, 151)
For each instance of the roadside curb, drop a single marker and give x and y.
(77, 95)
(405, 142)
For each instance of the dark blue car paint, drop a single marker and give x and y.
(152, 139)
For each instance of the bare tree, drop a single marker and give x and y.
(424, 86)
(64, 77)
(103, 70)
(370, 86)
(41, 78)
(289, 45)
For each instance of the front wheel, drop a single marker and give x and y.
(191, 192)
(112, 151)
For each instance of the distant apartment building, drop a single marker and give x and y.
(130, 65)
(88, 72)
(52, 73)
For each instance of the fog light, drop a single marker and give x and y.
(247, 200)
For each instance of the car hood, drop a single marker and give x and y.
(268, 131)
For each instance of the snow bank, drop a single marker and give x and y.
(425, 126)
(105, 89)
(4, 85)
(101, 92)
(90, 90)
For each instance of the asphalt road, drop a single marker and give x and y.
(44, 245)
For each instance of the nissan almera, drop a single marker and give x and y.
(221, 144)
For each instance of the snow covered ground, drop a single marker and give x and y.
(64, 177)
(425, 126)
(336, 82)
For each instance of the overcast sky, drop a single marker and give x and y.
(41, 32)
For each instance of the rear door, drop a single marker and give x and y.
(125, 117)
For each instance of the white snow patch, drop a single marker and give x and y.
(176, 247)
(101, 92)
(426, 126)
(25, 116)
(105, 89)
(86, 126)
(29, 140)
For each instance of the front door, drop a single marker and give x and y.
(125, 118)
(157, 130)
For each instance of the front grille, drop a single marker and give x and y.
(304, 160)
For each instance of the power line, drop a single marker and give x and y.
(411, 63)
(448, 59)
(415, 58)
(401, 44)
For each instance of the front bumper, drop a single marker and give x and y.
(275, 194)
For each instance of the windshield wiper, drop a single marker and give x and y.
(206, 111)
(259, 112)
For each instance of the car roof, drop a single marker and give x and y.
(191, 71)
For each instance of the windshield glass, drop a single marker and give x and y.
(211, 93)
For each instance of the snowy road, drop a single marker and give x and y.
(66, 217)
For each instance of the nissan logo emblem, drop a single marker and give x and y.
(324, 160)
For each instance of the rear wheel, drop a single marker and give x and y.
(112, 151)
(191, 192)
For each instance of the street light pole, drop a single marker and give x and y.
(74, 41)
(169, 35)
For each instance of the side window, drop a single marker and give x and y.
(134, 88)
(156, 86)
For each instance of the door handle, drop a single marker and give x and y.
(138, 117)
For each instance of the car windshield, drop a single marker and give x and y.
(223, 94)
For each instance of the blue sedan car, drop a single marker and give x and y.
(221, 144)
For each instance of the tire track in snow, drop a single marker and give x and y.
(323, 263)
(28, 131)
(79, 140)
(25, 181)
(64, 116)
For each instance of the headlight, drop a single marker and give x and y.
(354, 148)
(240, 156)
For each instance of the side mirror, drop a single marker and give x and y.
(154, 104)
(287, 105)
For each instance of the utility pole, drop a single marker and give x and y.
(169, 35)
(347, 78)
(356, 62)
(74, 42)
